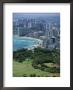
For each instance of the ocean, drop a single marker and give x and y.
(24, 42)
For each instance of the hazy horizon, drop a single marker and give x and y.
(34, 15)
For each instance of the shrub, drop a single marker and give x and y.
(52, 70)
(20, 61)
(24, 75)
(42, 68)
(32, 75)
(38, 75)
(34, 65)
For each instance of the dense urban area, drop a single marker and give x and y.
(39, 28)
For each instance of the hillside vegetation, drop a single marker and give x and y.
(39, 62)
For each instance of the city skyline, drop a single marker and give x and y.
(43, 29)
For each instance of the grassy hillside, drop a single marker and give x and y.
(26, 69)
(37, 63)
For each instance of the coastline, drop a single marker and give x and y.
(24, 37)
(39, 43)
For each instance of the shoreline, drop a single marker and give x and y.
(24, 37)
(39, 43)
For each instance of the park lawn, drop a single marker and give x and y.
(25, 68)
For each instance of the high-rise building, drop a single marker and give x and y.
(51, 34)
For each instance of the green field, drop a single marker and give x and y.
(25, 69)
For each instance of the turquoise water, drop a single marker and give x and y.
(24, 42)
